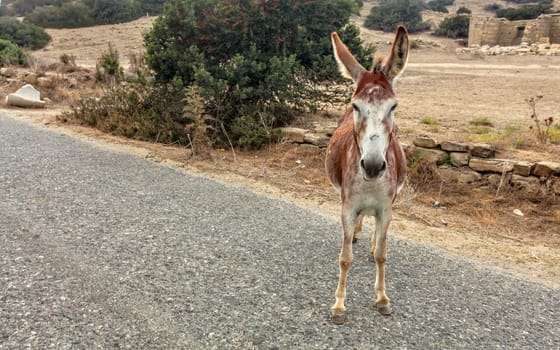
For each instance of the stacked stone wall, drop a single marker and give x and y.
(499, 31)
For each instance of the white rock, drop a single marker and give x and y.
(27, 97)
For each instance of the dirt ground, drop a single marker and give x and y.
(472, 222)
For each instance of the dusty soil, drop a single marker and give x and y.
(473, 222)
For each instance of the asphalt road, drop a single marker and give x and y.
(102, 249)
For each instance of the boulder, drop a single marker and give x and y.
(27, 97)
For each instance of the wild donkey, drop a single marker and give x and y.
(365, 160)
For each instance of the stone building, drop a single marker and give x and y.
(500, 31)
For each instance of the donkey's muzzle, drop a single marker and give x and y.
(372, 167)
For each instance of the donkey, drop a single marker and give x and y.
(365, 161)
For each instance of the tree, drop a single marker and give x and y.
(23, 34)
(524, 12)
(391, 13)
(454, 27)
(463, 10)
(252, 60)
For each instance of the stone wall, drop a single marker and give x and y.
(462, 163)
(500, 31)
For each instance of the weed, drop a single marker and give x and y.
(108, 68)
(481, 129)
(554, 133)
(414, 44)
(481, 121)
(540, 131)
(429, 120)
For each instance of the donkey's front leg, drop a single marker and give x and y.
(345, 261)
(379, 250)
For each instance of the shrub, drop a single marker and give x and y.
(108, 68)
(69, 15)
(84, 13)
(439, 5)
(454, 27)
(254, 64)
(389, 14)
(11, 54)
(524, 12)
(481, 121)
(463, 10)
(142, 111)
(23, 34)
(493, 7)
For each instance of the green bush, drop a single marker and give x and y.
(69, 15)
(493, 7)
(531, 11)
(23, 34)
(439, 5)
(454, 27)
(85, 13)
(11, 54)
(463, 10)
(256, 62)
(391, 13)
(108, 67)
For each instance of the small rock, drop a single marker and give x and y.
(7, 72)
(518, 212)
(30, 78)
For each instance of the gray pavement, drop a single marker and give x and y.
(102, 249)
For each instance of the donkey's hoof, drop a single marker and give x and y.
(338, 317)
(384, 309)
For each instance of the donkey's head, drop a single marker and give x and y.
(374, 100)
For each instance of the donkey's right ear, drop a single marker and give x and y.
(347, 63)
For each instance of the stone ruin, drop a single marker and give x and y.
(499, 36)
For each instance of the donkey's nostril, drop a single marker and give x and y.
(363, 164)
(383, 166)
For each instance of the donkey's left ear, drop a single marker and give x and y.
(396, 62)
